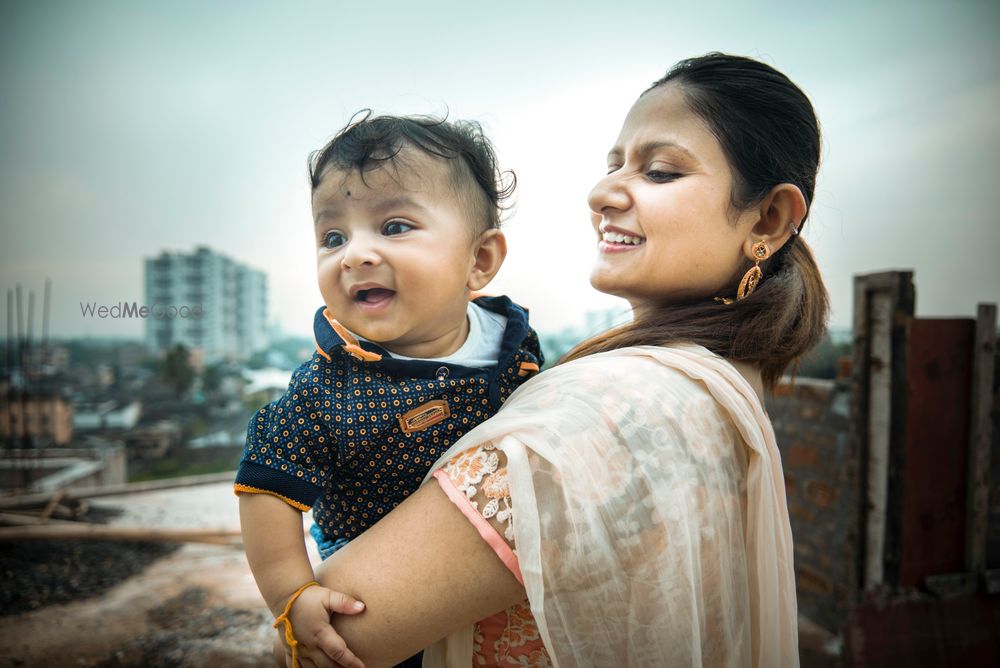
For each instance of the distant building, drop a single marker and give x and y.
(556, 344)
(153, 441)
(44, 419)
(106, 415)
(205, 301)
(596, 322)
(90, 463)
(270, 382)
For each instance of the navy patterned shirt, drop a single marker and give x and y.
(357, 430)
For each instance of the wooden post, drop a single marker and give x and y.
(980, 439)
(23, 500)
(79, 531)
(883, 309)
(50, 507)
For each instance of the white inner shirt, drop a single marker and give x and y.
(481, 347)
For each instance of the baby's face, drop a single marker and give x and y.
(395, 253)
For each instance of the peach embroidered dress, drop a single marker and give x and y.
(642, 494)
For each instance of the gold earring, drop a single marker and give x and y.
(751, 279)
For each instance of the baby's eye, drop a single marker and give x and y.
(613, 168)
(395, 227)
(334, 239)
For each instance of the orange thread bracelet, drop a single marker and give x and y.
(283, 617)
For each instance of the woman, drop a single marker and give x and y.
(633, 494)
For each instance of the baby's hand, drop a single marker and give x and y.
(319, 643)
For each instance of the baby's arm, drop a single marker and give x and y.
(275, 548)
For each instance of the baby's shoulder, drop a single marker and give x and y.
(318, 372)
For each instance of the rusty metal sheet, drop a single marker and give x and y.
(935, 455)
(915, 634)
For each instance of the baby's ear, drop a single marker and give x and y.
(488, 253)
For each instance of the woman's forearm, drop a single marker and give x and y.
(423, 571)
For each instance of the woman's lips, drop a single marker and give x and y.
(611, 247)
(618, 240)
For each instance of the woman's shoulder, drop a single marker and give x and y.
(586, 389)
(656, 380)
(685, 366)
(645, 365)
(599, 396)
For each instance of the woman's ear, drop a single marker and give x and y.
(489, 251)
(781, 212)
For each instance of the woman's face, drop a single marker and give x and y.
(665, 227)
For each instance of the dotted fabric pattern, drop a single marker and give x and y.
(333, 441)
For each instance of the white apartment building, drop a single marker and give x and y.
(207, 302)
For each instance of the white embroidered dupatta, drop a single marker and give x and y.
(649, 514)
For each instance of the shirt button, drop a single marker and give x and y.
(442, 372)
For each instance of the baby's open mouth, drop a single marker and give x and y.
(373, 295)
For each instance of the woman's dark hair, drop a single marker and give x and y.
(768, 131)
(370, 142)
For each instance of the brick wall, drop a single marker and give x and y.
(811, 419)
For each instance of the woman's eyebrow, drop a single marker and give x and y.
(648, 147)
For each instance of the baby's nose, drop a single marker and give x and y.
(360, 253)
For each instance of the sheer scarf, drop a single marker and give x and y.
(650, 518)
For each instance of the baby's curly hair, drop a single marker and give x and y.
(371, 142)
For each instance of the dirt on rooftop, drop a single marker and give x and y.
(119, 604)
(160, 605)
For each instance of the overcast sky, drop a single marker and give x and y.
(127, 128)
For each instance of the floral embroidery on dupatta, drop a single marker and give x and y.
(510, 637)
(481, 467)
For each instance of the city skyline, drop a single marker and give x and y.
(205, 300)
(159, 305)
(132, 129)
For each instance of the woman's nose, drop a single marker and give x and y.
(360, 252)
(609, 193)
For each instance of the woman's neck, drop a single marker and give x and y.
(752, 375)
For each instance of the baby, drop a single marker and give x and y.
(407, 214)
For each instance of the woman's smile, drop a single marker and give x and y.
(617, 240)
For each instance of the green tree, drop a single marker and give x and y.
(211, 380)
(823, 361)
(176, 369)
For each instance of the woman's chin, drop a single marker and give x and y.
(603, 283)
(616, 291)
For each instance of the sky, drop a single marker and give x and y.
(130, 128)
